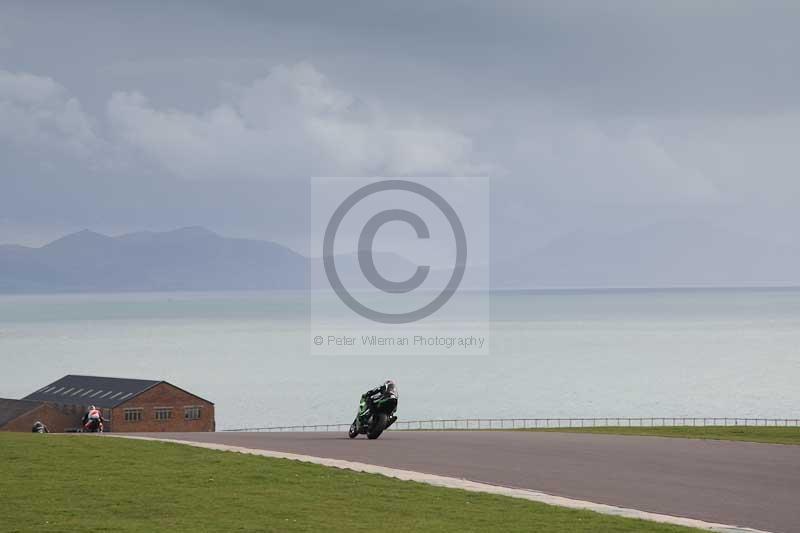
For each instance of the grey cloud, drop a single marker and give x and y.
(289, 123)
(589, 114)
(36, 113)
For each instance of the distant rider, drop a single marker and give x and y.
(376, 411)
(387, 385)
(38, 427)
(93, 416)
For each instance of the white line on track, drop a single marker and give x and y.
(463, 484)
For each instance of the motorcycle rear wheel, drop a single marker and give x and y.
(377, 427)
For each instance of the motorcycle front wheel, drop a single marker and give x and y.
(353, 433)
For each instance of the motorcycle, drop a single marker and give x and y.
(94, 426)
(375, 414)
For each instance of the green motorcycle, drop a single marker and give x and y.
(376, 412)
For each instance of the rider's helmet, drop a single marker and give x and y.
(92, 407)
(390, 386)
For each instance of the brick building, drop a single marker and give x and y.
(19, 415)
(128, 405)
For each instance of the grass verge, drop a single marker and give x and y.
(770, 435)
(90, 482)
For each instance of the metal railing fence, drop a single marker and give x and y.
(547, 423)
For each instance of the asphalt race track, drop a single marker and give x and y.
(737, 483)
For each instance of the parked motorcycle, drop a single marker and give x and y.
(375, 413)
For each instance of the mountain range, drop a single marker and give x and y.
(683, 254)
(191, 258)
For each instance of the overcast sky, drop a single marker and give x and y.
(121, 116)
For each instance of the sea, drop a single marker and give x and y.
(553, 354)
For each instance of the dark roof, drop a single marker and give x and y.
(91, 390)
(11, 409)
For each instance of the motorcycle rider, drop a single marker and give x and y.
(92, 416)
(38, 427)
(387, 385)
(376, 411)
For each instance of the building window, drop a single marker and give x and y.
(133, 415)
(191, 413)
(163, 413)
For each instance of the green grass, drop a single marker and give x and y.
(771, 435)
(72, 483)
